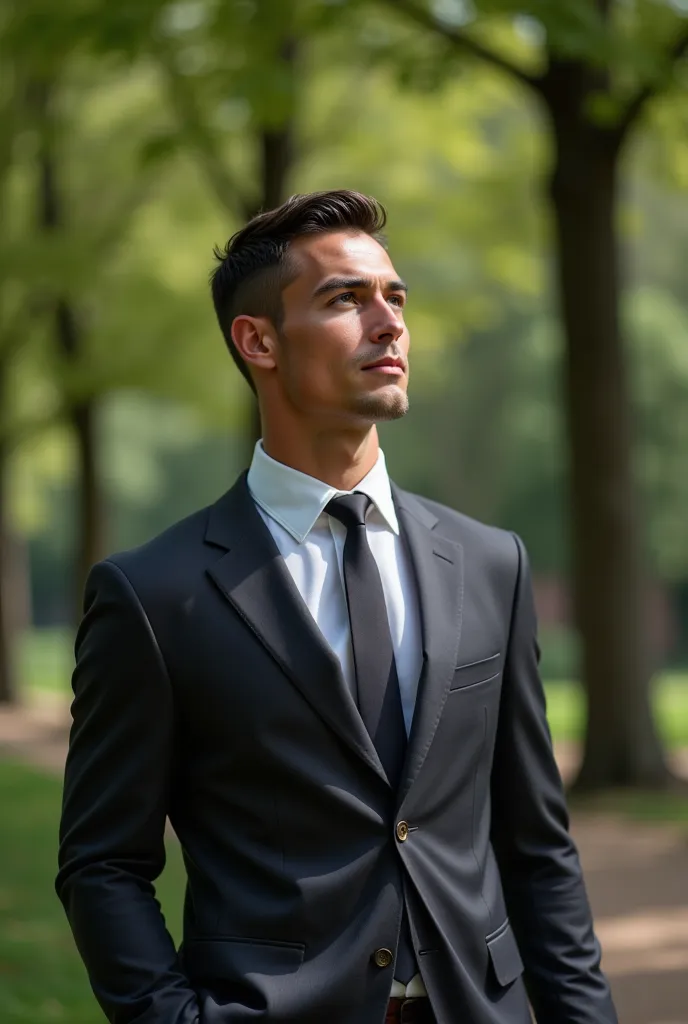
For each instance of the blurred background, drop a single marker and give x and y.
(533, 159)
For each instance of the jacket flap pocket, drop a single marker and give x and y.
(236, 958)
(476, 671)
(504, 954)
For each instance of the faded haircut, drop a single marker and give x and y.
(254, 266)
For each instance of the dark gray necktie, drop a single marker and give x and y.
(378, 696)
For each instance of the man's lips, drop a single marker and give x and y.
(392, 367)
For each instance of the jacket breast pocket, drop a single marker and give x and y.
(475, 672)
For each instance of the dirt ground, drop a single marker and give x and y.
(637, 878)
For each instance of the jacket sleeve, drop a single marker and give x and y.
(115, 801)
(539, 865)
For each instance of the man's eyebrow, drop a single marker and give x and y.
(343, 283)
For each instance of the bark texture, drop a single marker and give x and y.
(277, 156)
(89, 526)
(622, 747)
(82, 413)
(8, 690)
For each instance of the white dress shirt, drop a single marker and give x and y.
(312, 544)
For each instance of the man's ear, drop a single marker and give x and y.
(255, 340)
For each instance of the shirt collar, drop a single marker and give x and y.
(296, 500)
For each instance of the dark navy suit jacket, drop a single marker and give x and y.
(205, 693)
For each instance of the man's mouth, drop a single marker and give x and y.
(391, 366)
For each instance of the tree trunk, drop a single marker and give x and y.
(15, 585)
(277, 158)
(68, 333)
(276, 152)
(621, 744)
(91, 517)
(8, 692)
(90, 521)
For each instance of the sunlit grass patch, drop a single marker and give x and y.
(41, 975)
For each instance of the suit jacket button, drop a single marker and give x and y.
(402, 831)
(383, 957)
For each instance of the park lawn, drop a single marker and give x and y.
(670, 808)
(41, 975)
(46, 659)
(566, 709)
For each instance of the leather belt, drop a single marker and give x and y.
(409, 1011)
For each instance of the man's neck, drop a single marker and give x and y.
(341, 460)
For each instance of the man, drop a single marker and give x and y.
(330, 686)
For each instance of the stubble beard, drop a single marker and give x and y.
(390, 404)
(381, 408)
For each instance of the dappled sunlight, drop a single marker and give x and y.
(613, 844)
(652, 940)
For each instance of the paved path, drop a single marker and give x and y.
(637, 877)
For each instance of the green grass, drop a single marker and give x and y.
(46, 659)
(41, 975)
(670, 808)
(566, 709)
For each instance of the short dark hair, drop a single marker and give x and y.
(253, 268)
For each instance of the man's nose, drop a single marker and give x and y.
(387, 327)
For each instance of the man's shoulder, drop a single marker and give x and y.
(461, 528)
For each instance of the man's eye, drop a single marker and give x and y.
(397, 300)
(344, 297)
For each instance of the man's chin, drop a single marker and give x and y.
(389, 403)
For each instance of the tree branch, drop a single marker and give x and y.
(226, 188)
(461, 41)
(647, 92)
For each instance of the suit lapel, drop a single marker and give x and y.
(253, 577)
(438, 569)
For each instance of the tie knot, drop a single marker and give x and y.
(349, 509)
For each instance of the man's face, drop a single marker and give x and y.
(343, 318)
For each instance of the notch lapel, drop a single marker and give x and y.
(253, 577)
(438, 570)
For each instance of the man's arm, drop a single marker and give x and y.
(114, 809)
(538, 861)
